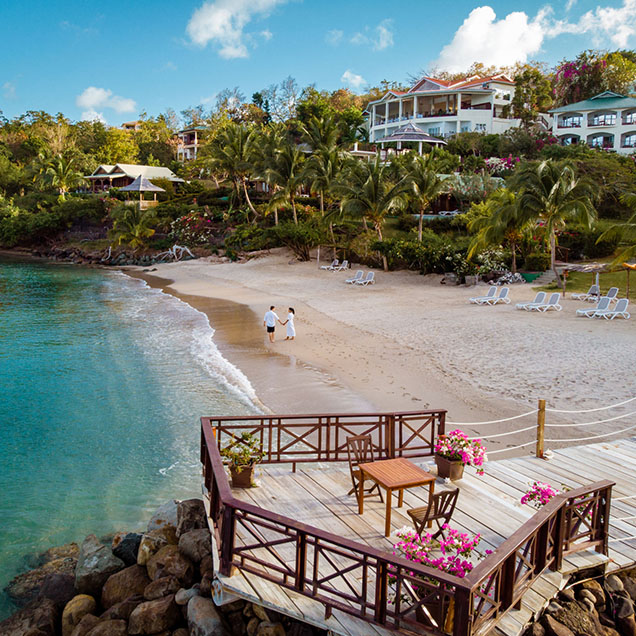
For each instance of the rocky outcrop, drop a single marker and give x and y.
(75, 610)
(128, 582)
(169, 561)
(95, 564)
(125, 546)
(196, 544)
(153, 617)
(191, 516)
(38, 618)
(164, 515)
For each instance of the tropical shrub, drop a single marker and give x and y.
(20, 227)
(249, 237)
(299, 237)
(194, 228)
(537, 262)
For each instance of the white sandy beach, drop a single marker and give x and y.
(406, 343)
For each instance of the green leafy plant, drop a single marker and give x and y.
(243, 451)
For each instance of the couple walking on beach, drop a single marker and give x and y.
(270, 319)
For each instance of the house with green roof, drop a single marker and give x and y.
(607, 120)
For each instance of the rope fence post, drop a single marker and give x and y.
(540, 428)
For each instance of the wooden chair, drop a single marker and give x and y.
(360, 451)
(440, 509)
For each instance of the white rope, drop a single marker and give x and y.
(609, 419)
(503, 450)
(505, 419)
(622, 539)
(601, 408)
(521, 430)
(585, 439)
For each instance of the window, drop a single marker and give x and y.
(630, 141)
(602, 142)
(630, 118)
(480, 127)
(573, 121)
(604, 119)
(465, 129)
(434, 131)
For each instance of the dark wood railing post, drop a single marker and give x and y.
(540, 428)
(507, 586)
(603, 522)
(381, 592)
(390, 435)
(227, 540)
(301, 561)
(462, 625)
(541, 546)
(558, 538)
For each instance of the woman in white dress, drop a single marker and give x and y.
(291, 330)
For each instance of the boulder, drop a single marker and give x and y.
(27, 586)
(66, 551)
(270, 629)
(576, 617)
(537, 630)
(39, 617)
(191, 516)
(166, 514)
(196, 544)
(623, 607)
(125, 546)
(203, 618)
(164, 586)
(609, 631)
(60, 588)
(153, 541)
(109, 628)
(596, 589)
(153, 617)
(554, 628)
(252, 626)
(235, 621)
(85, 625)
(95, 564)
(630, 587)
(586, 594)
(124, 609)
(169, 561)
(626, 625)
(75, 610)
(613, 584)
(261, 612)
(205, 587)
(182, 631)
(206, 567)
(567, 594)
(183, 596)
(121, 585)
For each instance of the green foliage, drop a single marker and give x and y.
(194, 228)
(21, 227)
(132, 225)
(243, 451)
(300, 237)
(533, 95)
(248, 238)
(537, 262)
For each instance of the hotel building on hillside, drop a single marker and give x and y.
(188, 142)
(605, 121)
(442, 109)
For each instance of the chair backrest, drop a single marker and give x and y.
(359, 450)
(554, 298)
(593, 291)
(492, 291)
(539, 298)
(441, 506)
(335, 262)
(504, 292)
(612, 292)
(359, 275)
(621, 305)
(344, 264)
(603, 303)
(370, 275)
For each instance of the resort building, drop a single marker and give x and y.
(441, 109)
(605, 121)
(106, 177)
(188, 142)
(131, 125)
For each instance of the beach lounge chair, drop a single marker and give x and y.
(502, 298)
(369, 280)
(592, 293)
(553, 303)
(478, 300)
(359, 275)
(602, 305)
(612, 294)
(360, 451)
(334, 264)
(539, 299)
(339, 268)
(620, 311)
(440, 509)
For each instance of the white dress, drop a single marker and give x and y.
(291, 330)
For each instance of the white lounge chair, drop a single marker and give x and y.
(553, 303)
(339, 268)
(334, 263)
(602, 305)
(612, 294)
(478, 300)
(502, 298)
(359, 275)
(620, 311)
(592, 293)
(539, 299)
(369, 280)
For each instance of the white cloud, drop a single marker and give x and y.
(334, 37)
(384, 36)
(223, 21)
(516, 37)
(93, 98)
(352, 80)
(267, 35)
(8, 90)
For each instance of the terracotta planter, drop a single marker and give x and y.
(448, 468)
(242, 477)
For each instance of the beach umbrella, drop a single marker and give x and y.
(141, 185)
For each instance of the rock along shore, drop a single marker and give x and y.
(154, 583)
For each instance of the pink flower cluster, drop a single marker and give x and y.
(456, 446)
(539, 494)
(456, 550)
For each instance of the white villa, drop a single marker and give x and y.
(188, 142)
(106, 177)
(442, 109)
(606, 121)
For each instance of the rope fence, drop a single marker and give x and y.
(541, 425)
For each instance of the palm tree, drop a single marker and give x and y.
(369, 192)
(502, 222)
(266, 145)
(61, 173)
(132, 226)
(551, 193)
(232, 156)
(425, 185)
(286, 173)
(625, 232)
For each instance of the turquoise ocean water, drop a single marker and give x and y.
(102, 383)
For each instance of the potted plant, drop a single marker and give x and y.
(243, 453)
(454, 451)
(456, 554)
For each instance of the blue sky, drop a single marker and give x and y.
(114, 60)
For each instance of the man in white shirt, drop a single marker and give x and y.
(269, 321)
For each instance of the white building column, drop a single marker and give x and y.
(415, 108)
(386, 116)
(400, 110)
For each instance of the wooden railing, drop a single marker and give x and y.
(376, 586)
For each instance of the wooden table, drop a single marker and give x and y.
(393, 474)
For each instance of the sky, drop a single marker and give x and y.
(111, 61)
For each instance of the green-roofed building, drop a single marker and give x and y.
(605, 121)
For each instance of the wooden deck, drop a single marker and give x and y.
(316, 495)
